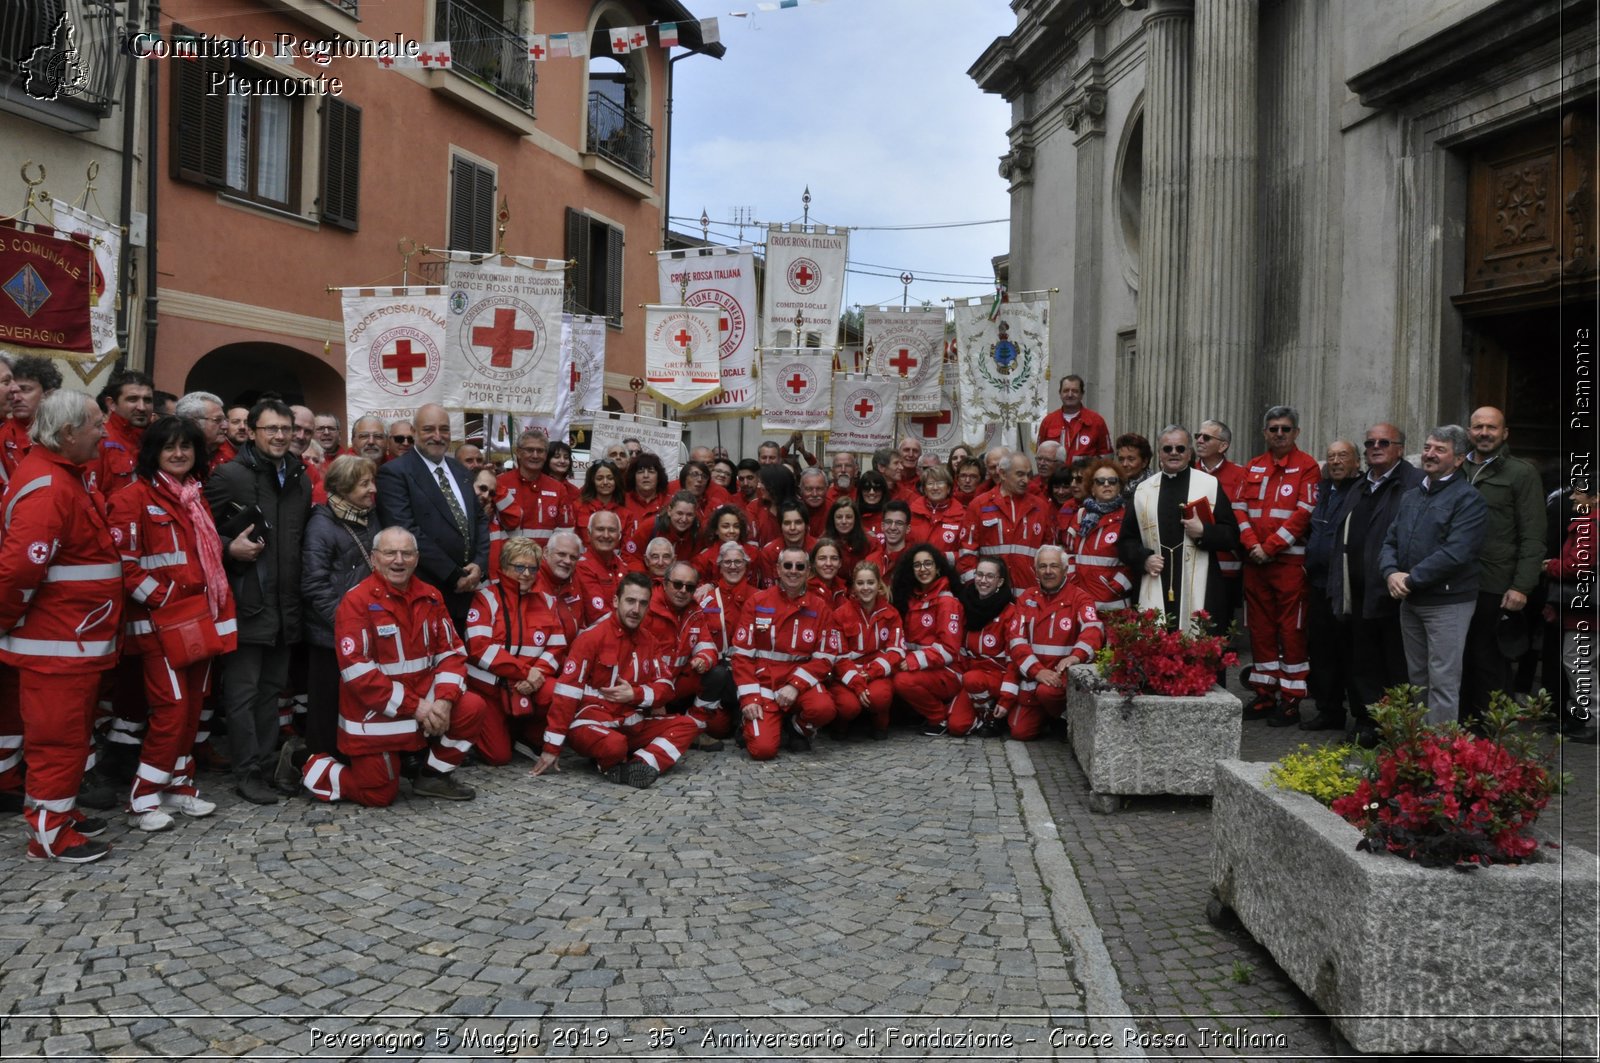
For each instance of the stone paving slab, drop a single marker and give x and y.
(1145, 872)
(782, 910)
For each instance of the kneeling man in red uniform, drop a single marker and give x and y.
(402, 687)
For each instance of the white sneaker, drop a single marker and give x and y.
(150, 822)
(188, 804)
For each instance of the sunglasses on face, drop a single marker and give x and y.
(1201, 437)
(521, 569)
(682, 584)
(1171, 449)
(1280, 429)
(1373, 444)
(402, 439)
(790, 566)
(1106, 481)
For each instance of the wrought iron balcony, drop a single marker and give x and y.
(617, 135)
(487, 50)
(62, 50)
(349, 7)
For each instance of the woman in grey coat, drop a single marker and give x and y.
(337, 552)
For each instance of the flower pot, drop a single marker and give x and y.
(1149, 744)
(1405, 958)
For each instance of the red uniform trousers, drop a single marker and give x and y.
(504, 726)
(1275, 606)
(928, 693)
(57, 725)
(373, 779)
(1035, 707)
(10, 731)
(847, 704)
(659, 741)
(166, 762)
(980, 695)
(812, 710)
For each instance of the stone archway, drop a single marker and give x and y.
(241, 372)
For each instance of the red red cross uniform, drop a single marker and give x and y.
(929, 679)
(941, 525)
(722, 603)
(568, 592)
(871, 646)
(60, 616)
(1085, 434)
(14, 446)
(1230, 477)
(1011, 529)
(1277, 498)
(582, 511)
(989, 677)
(160, 567)
(767, 557)
(1093, 565)
(783, 641)
(679, 639)
(1050, 629)
(705, 562)
(119, 455)
(526, 509)
(512, 637)
(394, 649)
(610, 732)
(596, 579)
(886, 559)
(639, 523)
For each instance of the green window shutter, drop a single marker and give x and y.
(341, 164)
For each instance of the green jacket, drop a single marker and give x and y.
(1513, 548)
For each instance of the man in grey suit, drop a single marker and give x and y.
(429, 493)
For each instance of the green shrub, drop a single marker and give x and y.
(1320, 771)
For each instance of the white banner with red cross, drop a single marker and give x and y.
(940, 430)
(394, 341)
(863, 412)
(907, 345)
(505, 334)
(1002, 359)
(804, 285)
(796, 390)
(681, 360)
(723, 277)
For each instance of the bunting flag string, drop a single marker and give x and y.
(438, 55)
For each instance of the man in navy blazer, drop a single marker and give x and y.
(452, 538)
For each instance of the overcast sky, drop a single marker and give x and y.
(866, 101)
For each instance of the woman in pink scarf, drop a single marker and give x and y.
(171, 556)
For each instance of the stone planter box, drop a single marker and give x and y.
(1404, 958)
(1149, 745)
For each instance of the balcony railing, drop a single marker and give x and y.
(619, 136)
(486, 50)
(349, 7)
(79, 64)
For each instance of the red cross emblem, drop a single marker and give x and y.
(903, 362)
(863, 408)
(931, 423)
(796, 383)
(386, 61)
(803, 275)
(576, 376)
(427, 59)
(537, 51)
(637, 40)
(682, 338)
(404, 361)
(503, 338)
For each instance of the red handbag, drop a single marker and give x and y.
(186, 631)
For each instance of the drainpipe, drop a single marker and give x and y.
(124, 296)
(152, 114)
(666, 162)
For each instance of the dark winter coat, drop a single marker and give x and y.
(336, 554)
(266, 590)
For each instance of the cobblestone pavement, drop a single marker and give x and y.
(1145, 871)
(885, 885)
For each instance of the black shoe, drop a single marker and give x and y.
(1288, 716)
(411, 765)
(256, 790)
(799, 741)
(616, 773)
(96, 791)
(936, 730)
(1323, 721)
(1367, 737)
(11, 801)
(1263, 706)
(286, 776)
(90, 826)
(880, 734)
(639, 775)
(82, 853)
(443, 786)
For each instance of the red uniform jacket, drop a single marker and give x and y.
(601, 656)
(1050, 627)
(1093, 565)
(1011, 529)
(60, 572)
(639, 522)
(934, 629)
(568, 593)
(1084, 434)
(723, 603)
(14, 446)
(989, 649)
(705, 562)
(871, 644)
(940, 526)
(678, 639)
(159, 564)
(394, 648)
(526, 508)
(511, 635)
(1230, 477)
(596, 579)
(1275, 503)
(582, 511)
(224, 453)
(783, 641)
(119, 454)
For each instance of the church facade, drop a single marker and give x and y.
(1372, 210)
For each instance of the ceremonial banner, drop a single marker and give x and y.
(46, 285)
(940, 430)
(1002, 355)
(505, 339)
(583, 339)
(105, 240)
(664, 439)
(725, 278)
(681, 362)
(796, 390)
(805, 277)
(863, 413)
(907, 345)
(394, 340)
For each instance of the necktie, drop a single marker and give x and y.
(456, 512)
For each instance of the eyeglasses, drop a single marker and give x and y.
(1201, 437)
(791, 566)
(402, 439)
(874, 488)
(219, 419)
(1107, 481)
(394, 553)
(923, 562)
(1374, 444)
(734, 561)
(1171, 448)
(521, 569)
(1280, 429)
(683, 584)
(275, 430)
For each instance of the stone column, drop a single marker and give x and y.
(1088, 354)
(1222, 305)
(1163, 223)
